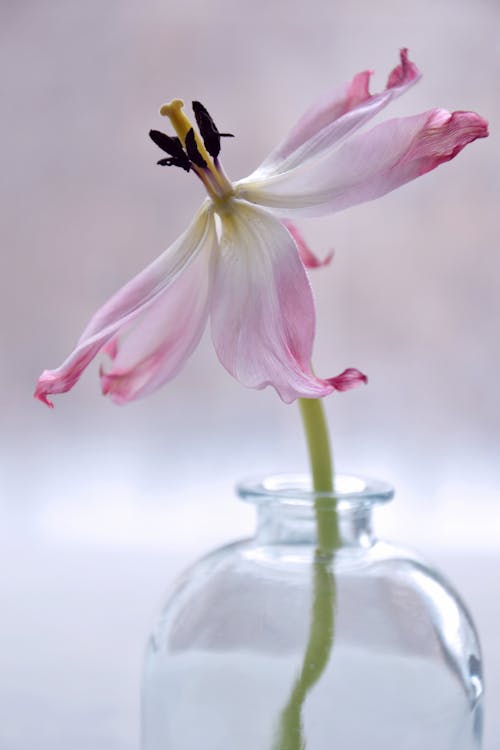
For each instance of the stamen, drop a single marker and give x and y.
(182, 125)
(208, 130)
(193, 152)
(173, 147)
(198, 156)
(174, 161)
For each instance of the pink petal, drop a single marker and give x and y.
(369, 164)
(308, 258)
(125, 306)
(348, 379)
(336, 116)
(152, 349)
(262, 311)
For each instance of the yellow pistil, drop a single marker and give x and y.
(182, 125)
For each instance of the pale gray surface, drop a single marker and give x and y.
(100, 505)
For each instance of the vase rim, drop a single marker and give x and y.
(351, 491)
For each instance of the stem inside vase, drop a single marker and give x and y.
(290, 734)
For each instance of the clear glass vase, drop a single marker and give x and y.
(397, 663)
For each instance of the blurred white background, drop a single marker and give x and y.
(101, 506)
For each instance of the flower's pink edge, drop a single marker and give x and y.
(348, 379)
(262, 309)
(338, 115)
(308, 258)
(125, 306)
(152, 349)
(369, 164)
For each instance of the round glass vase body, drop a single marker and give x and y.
(267, 645)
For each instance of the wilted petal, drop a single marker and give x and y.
(308, 258)
(337, 115)
(262, 310)
(369, 164)
(124, 307)
(153, 348)
(348, 379)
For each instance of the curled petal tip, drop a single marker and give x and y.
(404, 73)
(308, 258)
(111, 348)
(348, 379)
(327, 259)
(110, 386)
(479, 124)
(444, 136)
(105, 381)
(41, 395)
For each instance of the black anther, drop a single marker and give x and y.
(192, 150)
(173, 147)
(208, 130)
(173, 161)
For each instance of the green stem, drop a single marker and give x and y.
(318, 443)
(320, 457)
(321, 631)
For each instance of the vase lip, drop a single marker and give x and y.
(351, 491)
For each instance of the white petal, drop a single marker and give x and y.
(368, 165)
(154, 348)
(124, 306)
(262, 311)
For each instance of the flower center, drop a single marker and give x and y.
(195, 149)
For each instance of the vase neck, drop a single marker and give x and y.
(284, 526)
(287, 509)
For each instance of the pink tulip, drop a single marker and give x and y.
(246, 272)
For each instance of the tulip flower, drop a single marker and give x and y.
(241, 263)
